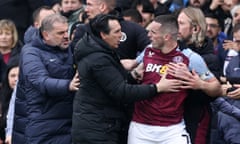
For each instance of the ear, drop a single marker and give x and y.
(36, 24)
(45, 35)
(167, 37)
(103, 35)
(102, 7)
(195, 28)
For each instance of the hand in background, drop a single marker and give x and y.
(8, 140)
(235, 94)
(1, 142)
(228, 44)
(224, 88)
(215, 3)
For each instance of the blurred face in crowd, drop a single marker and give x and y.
(13, 77)
(236, 36)
(147, 18)
(227, 5)
(234, 2)
(58, 36)
(155, 35)
(213, 28)
(93, 8)
(6, 39)
(70, 5)
(43, 13)
(236, 17)
(184, 27)
(114, 36)
(197, 3)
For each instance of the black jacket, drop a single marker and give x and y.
(197, 104)
(134, 37)
(20, 12)
(100, 104)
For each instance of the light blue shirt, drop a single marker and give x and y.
(196, 62)
(10, 114)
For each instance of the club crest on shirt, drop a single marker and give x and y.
(124, 37)
(177, 59)
(150, 54)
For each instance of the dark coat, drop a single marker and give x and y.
(43, 108)
(134, 38)
(197, 104)
(100, 104)
(14, 55)
(20, 12)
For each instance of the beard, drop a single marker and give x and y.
(187, 40)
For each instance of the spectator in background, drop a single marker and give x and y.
(72, 10)
(46, 86)
(38, 16)
(232, 48)
(9, 83)
(160, 8)
(222, 9)
(146, 9)
(134, 37)
(214, 32)
(235, 13)
(10, 46)
(227, 108)
(19, 11)
(133, 15)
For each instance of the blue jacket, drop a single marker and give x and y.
(30, 34)
(228, 119)
(43, 108)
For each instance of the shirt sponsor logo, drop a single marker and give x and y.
(156, 68)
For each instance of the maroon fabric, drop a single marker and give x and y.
(6, 57)
(202, 130)
(166, 108)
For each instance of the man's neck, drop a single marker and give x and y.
(169, 47)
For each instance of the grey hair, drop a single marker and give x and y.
(47, 23)
(234, 9)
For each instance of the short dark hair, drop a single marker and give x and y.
(100, 24)
(168, 24)
(36, 13)
(147, 6)
(217, 17)
(134, 14)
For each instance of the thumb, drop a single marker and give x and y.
(164, 75)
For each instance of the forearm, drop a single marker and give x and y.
(211, 88)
